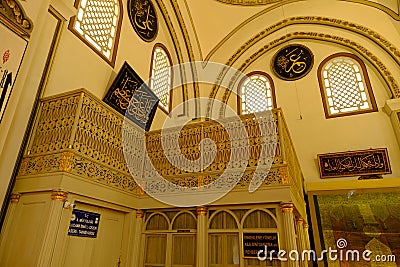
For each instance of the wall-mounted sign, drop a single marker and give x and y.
(292, 62)
(265, 242)
(12, 49)
(143, 17)
(84, 223)
(131, 97)
(352, 163)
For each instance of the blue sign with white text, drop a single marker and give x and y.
(84, 223)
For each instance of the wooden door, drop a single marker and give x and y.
(102, 251)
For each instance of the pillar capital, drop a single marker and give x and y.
(305, 226)
(139, 214)
(15, 198)
(287, 207)
(59, 195)
(299, 220)
(202, 211)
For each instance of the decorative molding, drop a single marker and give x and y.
(194, 28)
(66, 161)
(13, 11)
(188, 44)
(202, 211)
(305, 226)
(345, 24)
(249, 2)
(287, 207)
(15, 198)
(394, 14)
(353, 163)
(241, 25)
(177, 47)
(390, 49)
(59, 195)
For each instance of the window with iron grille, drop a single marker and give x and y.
(97, 23)
(345, 86)
(256, 93)
(161, 76)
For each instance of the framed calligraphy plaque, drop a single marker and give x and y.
(254, 242)
(131, 97)
(352, 163)
(12, 50)
(292, 62)
(143, 17)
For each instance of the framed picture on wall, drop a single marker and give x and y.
(12, 50)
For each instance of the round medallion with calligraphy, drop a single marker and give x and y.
(143, 17)
(292, 62)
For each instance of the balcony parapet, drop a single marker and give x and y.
(79, 134)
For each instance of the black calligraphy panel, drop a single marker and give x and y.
(292, 62)
(131, 97)
(352, 163)
(143, 17)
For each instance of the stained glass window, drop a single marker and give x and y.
(97, 23)
(256, 93)
(161, 76)
(345, 87)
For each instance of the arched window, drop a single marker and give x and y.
(256, 93)
(345, 86)
(97, 23)
(161, 76)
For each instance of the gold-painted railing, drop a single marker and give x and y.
(79, 134)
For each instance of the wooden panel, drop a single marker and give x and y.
(27, 232)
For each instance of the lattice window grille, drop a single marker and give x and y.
(256, 94)
(160, 81)
(97, 23)
(345, 88)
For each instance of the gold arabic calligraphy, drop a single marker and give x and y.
(144, 19)
(291, 62)
(354, 163)
(124, 93)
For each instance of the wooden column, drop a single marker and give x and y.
(202, 234)
(56, 208)
(301, 242)
(138, 237)
(289, 237)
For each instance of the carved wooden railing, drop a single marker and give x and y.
(79, 134)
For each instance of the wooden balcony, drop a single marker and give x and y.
(78, 134)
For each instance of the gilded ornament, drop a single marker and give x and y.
(139, 214)
(59, 195)
(202, 211)
(15, 198)
(287, 207)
